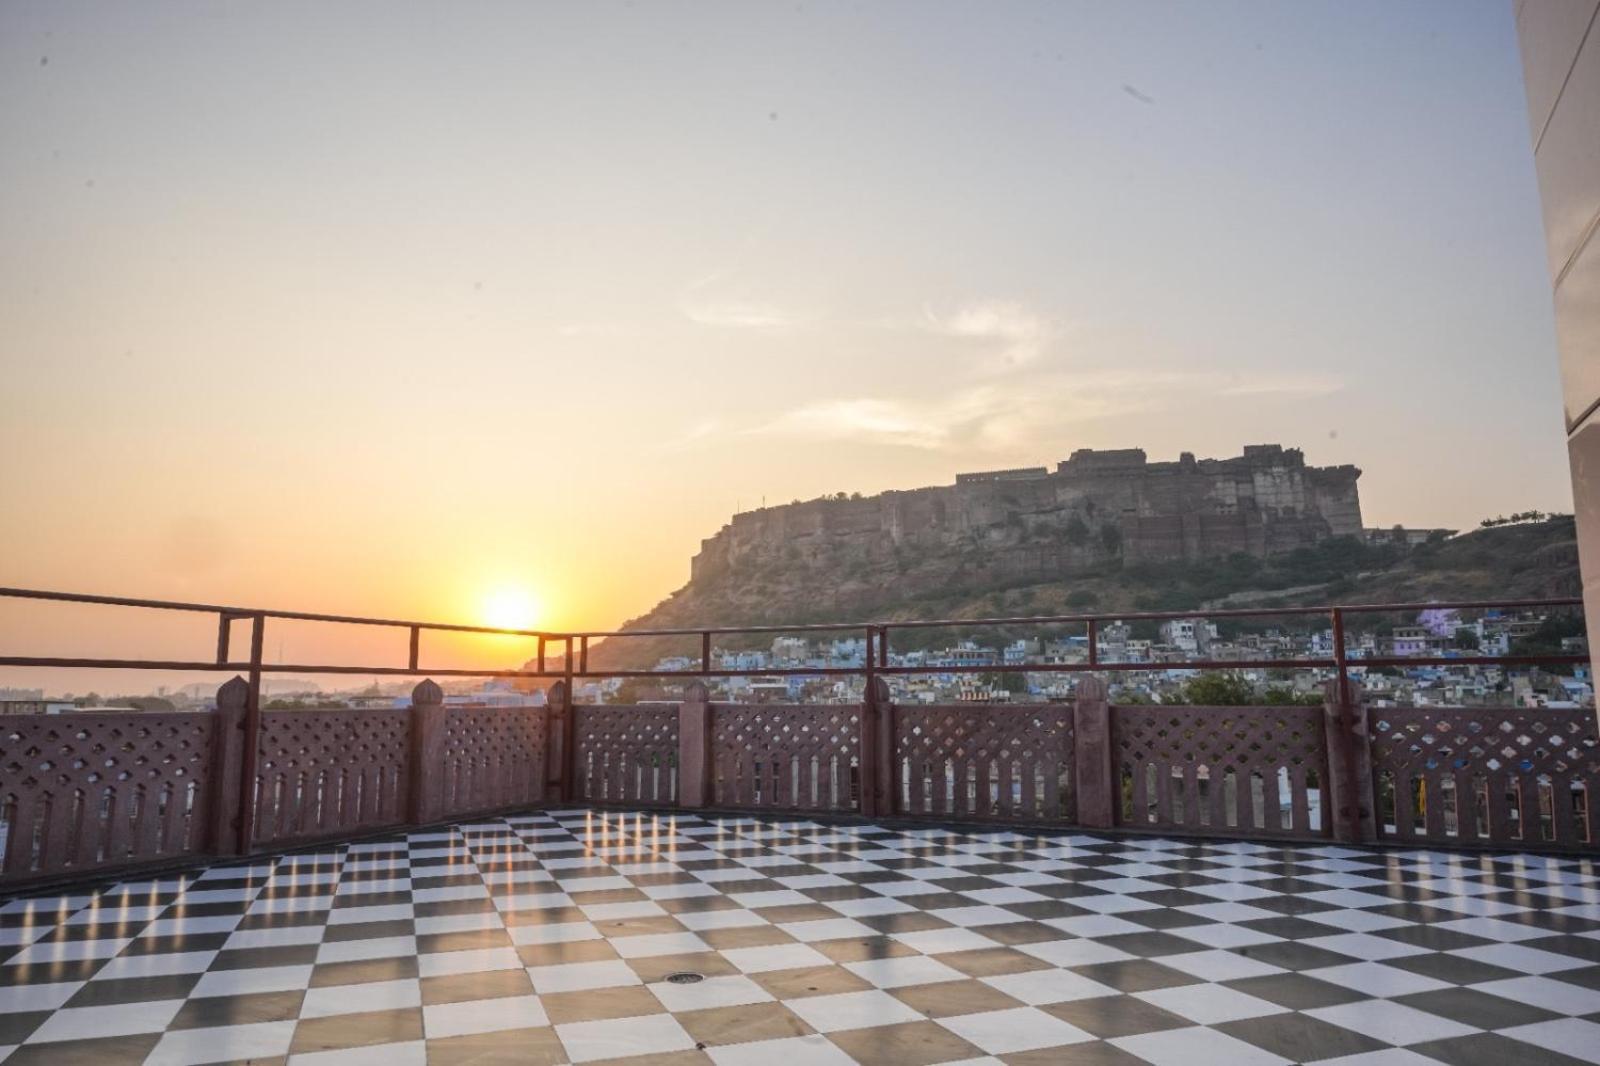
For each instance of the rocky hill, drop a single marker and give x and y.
(1532, 559)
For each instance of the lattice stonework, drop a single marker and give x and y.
(1485, 775)
(786, 755)
(985, 761)
(90, 790)
(1240, 769)
(627, 754)
(320, 773)
(493, 758)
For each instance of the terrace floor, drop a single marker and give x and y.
(547, 938)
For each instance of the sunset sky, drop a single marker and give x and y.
(402, 309)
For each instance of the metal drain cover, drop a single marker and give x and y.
(685, 977)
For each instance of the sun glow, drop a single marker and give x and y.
(510, 607)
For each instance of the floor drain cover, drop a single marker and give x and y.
(685, 977)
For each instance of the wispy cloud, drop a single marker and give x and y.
(723, 302)
(1001, 415)
(1019, 334)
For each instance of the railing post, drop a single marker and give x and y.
(867, 768)
(1349, 790)
(427, 753)
(888, 781)
(227, 766)
(695, 786)
(252, 737)
(557, 739)
(1096, 785)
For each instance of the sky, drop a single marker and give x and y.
(409, 309)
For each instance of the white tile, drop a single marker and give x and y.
(125, 966)
(1565, 1036)
(827, 929)
(123, 1019)
(775, 957)
(1091, 925)
(684, 891)
(1209, 1004)
(979, 916)
(721, 919)
(18, 998)
(852, 1010)
(65, 951)
(391, 912)
(860, 908)
(479, 960)
(1081, 952)
(1195, 1047)
(247, 981)
(779, 897)
(442, 1020)
(577, 976)
(999, 897)
(1218, 965)
(1396, 1056)
(728, 991)
(1365, 946)
(1224, 935)
(1037, 987)
(904, 970)
(297, 905)
(197, 926)
(649, 945)
(1493, 929)
(191, 1047)
(1393, 1023)
(459, 923)
(651, 1034)
(355, 999)
(938, 941)
(1376, 979)
(1560, 996)
(813, 1050)
(378, 947)
(1228, 912)
(283, 936)
(1001, 1032)
(555, 933)
(1357, 921)
(1521, 958)
(533, 901)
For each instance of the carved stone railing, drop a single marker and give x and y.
(626, 755)
(1496, 776)
(90, 793)
(785, 756)
(1229, 771)
(93, 791)
(1001, 761)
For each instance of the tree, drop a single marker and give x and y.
(1467, 639)
(1218, 690)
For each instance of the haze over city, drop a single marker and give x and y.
(399, 310)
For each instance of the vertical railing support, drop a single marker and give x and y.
(227, 766)
(1349, 787)
(867, 767)
(888, 779)
(428, 777)
(558, 739)
(252, 737)
(695, 785)
(1095, 784)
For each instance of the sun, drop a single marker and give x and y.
(510, 607)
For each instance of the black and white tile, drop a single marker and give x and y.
(548, 938)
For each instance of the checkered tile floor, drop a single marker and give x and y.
(547, 939)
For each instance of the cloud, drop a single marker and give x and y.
(737, 314)
(1021, 334)
(998, 416)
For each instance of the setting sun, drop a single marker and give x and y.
(510, 607)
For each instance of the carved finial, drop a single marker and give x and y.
(880, 692)
(557, 696)
(233, 695)
(427, 693)
(1091, 687)
(696, 693)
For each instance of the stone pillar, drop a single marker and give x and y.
(427, 753)
(1348, 791)
(1096, 784)
(695, 785)
(557, 740)
(888, 779)
(227, 767)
